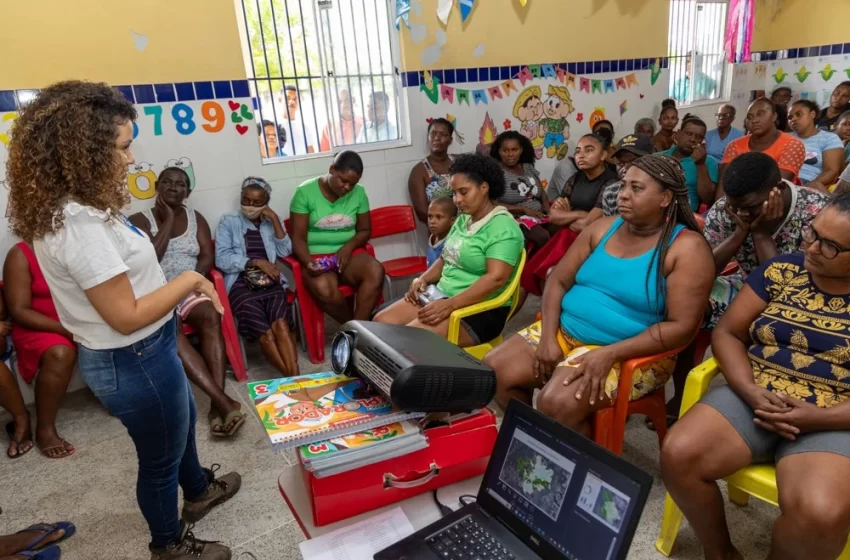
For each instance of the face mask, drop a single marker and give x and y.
(253, 212)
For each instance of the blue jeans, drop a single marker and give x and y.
(145, 386)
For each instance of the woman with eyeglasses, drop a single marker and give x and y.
(764, 137)
(429, 179)
(783, 349)
(717, 139)
(248, 244)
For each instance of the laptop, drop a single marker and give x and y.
(548, 493)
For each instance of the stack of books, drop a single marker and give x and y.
(337, 423)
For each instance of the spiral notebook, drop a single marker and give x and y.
(319, 406)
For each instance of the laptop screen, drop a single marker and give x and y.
(579, 504)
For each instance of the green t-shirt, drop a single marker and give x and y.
(466, 250)
(331, 224)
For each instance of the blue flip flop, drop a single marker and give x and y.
(48, 529)
(49, 553)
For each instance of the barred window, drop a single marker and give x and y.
(698, 67)
(324, 73)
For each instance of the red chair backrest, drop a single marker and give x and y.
(700, 222)
(390, 220)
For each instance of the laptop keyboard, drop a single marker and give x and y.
(467, 540)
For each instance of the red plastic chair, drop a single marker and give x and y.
(312, 316)
(392, 220)
(232, 343)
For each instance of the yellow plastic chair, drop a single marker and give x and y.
(758, 481)
(511, 293)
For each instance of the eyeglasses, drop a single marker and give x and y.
(828, 249)
(723, 115)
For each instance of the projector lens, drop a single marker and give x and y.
(341, 352)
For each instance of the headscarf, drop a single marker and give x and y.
(257, 182)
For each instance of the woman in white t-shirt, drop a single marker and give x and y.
(67, 164)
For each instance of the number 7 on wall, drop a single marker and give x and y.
(156, 111)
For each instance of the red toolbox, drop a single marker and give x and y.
(454, 453)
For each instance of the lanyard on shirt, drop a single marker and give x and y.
(126, 221)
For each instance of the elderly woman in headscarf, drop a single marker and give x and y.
(631, 285)
(248, 244)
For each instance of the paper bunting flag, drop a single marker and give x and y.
(523, 2)
(624, 106)
(509, 85)
(479, 96)
(462, 95)
(561, 74)
(495, 92)
(430, 85)
(447, 93)
(621, 83)
(444, 8)
(525, 75)
(535, 70)
(609, 86)
(584, 84)
(549, 71)
(595, 86)
(402, 13)
(465, 8)
(655, 71)
(631, 80)
(571, 79)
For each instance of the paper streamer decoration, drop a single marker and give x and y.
(495, 92)
(535, 70)
(584, 84)
(655, 71)
(571, 79)
(523, 3)
(430, 85)
(402, 13)
(462, 95)
(561, 74)
(621, 83)
(479, 96)
(465, 8)
(595, 86)
(509, 85)
(624, 106)
(549, 71)
(525, 75)
(444, 8)
(447, 93)
(609, 86)
(631, 80)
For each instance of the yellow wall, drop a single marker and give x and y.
(543, 31)
(49, 40)
(800, 23)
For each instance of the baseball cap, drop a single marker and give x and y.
(638, 145)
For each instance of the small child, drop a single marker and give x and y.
(442, 213)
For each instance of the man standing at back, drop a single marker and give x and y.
(345, 130)
(379, 128)
(299, 124)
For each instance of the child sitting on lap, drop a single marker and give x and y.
(441, 217)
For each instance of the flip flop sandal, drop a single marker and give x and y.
(49, 528)
(63, 447)
(10, 429)
(49, 553)
(217, 422)
(239, 418)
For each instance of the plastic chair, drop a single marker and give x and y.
(756, 480)
(312, 318)
(511, 294)
(392, 220)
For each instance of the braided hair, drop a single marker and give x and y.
(669, 174)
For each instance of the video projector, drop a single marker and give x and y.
(414, 368)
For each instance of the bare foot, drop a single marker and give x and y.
(12, 544)
(20, 437)
(52, 446)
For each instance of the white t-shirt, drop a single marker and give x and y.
(88, 250)
(296, 142)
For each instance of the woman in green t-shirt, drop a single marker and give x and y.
(330, 225)
(479, 259)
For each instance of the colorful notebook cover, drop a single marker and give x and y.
(368, 438)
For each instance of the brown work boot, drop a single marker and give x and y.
(191, 548)
(219, 491)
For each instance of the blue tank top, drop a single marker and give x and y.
(608, 302)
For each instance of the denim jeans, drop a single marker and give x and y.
(145, 386)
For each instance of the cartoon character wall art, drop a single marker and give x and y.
(597, 115)
(185, 164)
(554, 128)
(529, 110)
(486, 135)
(141, 180)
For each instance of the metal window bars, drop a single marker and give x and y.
(698, 67)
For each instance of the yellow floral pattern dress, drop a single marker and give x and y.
(644, 380)
(801, 341)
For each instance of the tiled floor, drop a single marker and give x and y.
(95, 488)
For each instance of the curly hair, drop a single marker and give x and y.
(527, 155)
(481, 169)
(63, 148)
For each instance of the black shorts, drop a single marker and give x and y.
(486, 326)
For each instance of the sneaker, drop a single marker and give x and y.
(219, 491)
(191, 548)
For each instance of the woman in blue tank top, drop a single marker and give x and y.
(629, 286)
